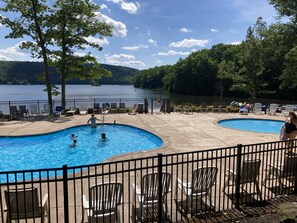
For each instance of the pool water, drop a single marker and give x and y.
(253, 125)
(54, 150)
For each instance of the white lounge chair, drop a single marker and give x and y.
(284, 173)
(122, 107)
(33, 109)
(288, 109)
(104, 202)
(24, 204)
(250, 170)
(272, 109)
(83, 109)
(46, 109)
(258, 109)
(147, 195)
(199, 185)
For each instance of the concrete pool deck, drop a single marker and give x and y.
(180, 132)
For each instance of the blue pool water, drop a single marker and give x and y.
(253, 125)
(53, 150)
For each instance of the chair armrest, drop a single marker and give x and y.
(136, 189)
(85, 202)
(230, 172)
(44, 200)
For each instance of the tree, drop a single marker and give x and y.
(75, 21)
(33, 20)
(286, 8)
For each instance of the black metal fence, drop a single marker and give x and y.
(144, 105)
(166, 187)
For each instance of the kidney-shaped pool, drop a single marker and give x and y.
(54, 150)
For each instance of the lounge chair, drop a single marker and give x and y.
(204, 107)
(24, 112)
(147, 196)
(104, 202)
(122, 107)
(216, 107)
(288, 109)
(113, 108)
(58, 111)
(244, 110)
(97, 109)
(24, 204)
(71, 111)
(272, 109)
(258, 109)
(250, 170)
(14, 112)
(283, 173)
(34, 109)
(83, 109)
(198, 186)
(46, 109)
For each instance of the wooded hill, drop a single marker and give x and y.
(17, 72)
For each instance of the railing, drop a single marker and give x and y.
(146, 105)
(185, 185)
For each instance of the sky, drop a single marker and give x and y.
(149, 33)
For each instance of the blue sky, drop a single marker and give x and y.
(149, 33)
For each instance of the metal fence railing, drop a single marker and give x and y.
(166, 187)
(40, 107)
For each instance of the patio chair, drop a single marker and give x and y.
(272, 109)
(122, 107)
(283, 173)
(58, 111)
(24, 112)
(147, 195)
(250, 170)
(224, 107)
(216, 107)
(24, 204)
(258, 109)
(104, 202)
(71, 111)
(197, 187)
(288, 109)
(14, 112)
(33, 109)
(113, 108)
(97, 109)
(204, 107)
(46, 109)
(83, 109)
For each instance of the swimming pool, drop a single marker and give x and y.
(253, 125)
(54, 150)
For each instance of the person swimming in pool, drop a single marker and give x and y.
(74, 144)
(93, 120)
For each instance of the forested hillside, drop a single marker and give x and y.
(16, 72)
(262, 66)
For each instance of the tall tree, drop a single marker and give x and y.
(286, 8)
(32, 20)
(75, 22)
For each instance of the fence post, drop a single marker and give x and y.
(152, 105)
(238, 172)
(160, 216)
(65, 194)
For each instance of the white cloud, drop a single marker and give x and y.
(80, 54)
(173, 53)
(159, 61)
(236, 43)
(98, 41)
(134, 62)
(136, 47)
(5, 58)
(103, 6)
(187, 43)
(119, 28)
(214, 30)
(185, 30)
(14, 51)
(151, 41)
(124, 60)
(232, 31)
(130, 7)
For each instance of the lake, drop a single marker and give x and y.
(35, 92)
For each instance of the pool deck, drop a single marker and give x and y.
(180, 132)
